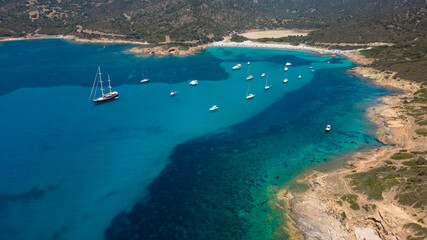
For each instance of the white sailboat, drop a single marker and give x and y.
(237, 67)
(172, 93)
(286, 69)
(104, 96)
(285, 81)
(263, 75)
(299, 77)
(288, 64)
(144, 80)
(249, 77)
(213, 108)
(194, 82)
(266, 84)
(249, 95)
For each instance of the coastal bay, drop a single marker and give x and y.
(257, 149)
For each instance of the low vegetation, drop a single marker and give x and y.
(401, 155)
(352, 200)
(409, 181)
(375, 181)
(418, 232)
(238, 38)
(421, 131)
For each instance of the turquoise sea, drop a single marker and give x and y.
(152, 166)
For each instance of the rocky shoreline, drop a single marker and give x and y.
(321, 213)
(167, 50)
(102, 40)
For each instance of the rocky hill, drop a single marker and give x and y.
(182, 20)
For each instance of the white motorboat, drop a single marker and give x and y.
(173, 93)
(145, 80)
(311, 67)
(286, 69)
(250, 77)
(194, 82)
(250, 96)
(213, 108)
(285, 81)
(263, 75)
(299, 77)
(328, 128)
(237, 67)
(249, 63)
(312, 70)
(288, 64)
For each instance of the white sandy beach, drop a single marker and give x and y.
(256, 34)
(250, 44)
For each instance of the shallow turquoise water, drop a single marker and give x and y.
(158, 167)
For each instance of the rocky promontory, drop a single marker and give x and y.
(168, 50)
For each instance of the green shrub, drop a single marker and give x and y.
(352, 200)
(399, 156)
(421, 131)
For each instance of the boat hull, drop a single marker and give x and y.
(107, 97)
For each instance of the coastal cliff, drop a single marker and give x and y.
(373, 196)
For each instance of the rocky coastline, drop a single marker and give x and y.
(167, 50)
(322, 212)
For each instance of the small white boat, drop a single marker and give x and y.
(250, 77)
(263, 75)
(285, 81)
(299, 77)
(328, 62)
(311, 67)
(250, 96)
(288, 64)
(173, 93)
(194, 82)
(213, 108)
(237, 67)
(249, 63)
(145, 80)
(312, 70)
(286, 69)
(328, 128)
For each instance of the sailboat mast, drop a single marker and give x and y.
(100, 81)
(247, 91)
(109, 82)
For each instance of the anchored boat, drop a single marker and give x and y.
(213, 108)
(194, 82)
(105, 96)
(237, 67)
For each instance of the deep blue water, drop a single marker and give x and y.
(149, 166)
